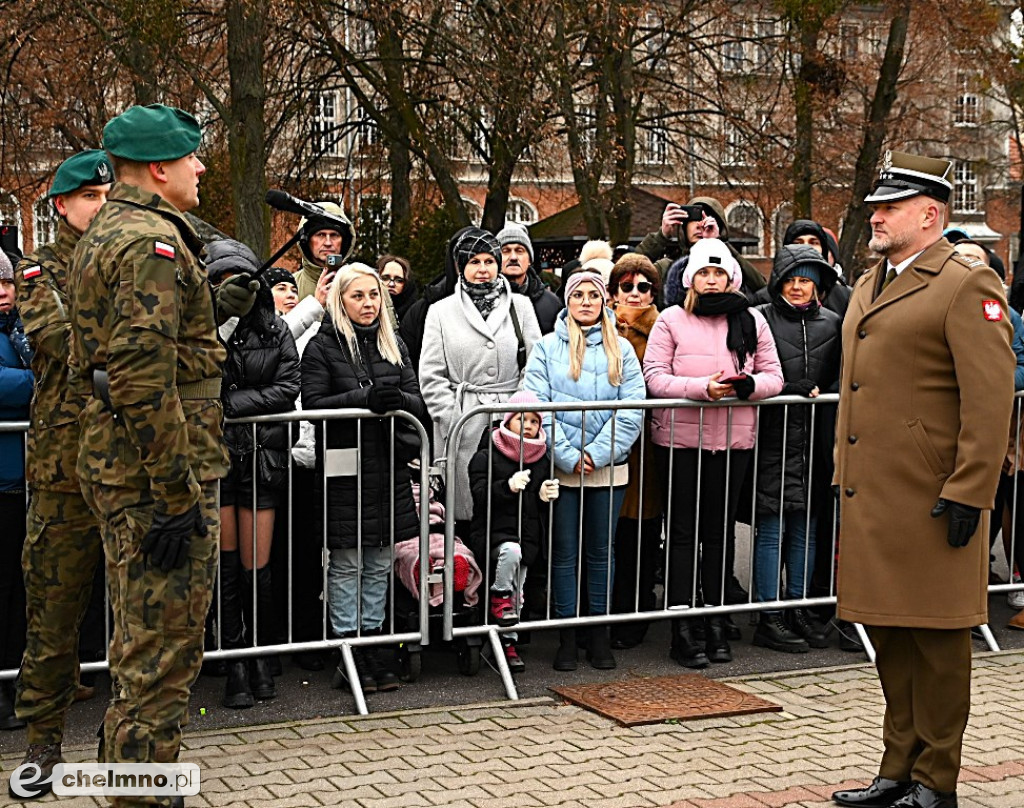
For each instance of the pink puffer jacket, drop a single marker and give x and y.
(683, 352)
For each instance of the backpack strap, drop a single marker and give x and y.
(521, 349)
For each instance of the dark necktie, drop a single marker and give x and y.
(890, 276)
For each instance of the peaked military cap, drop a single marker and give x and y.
(89, 167)
(902, 176)
(150, 134)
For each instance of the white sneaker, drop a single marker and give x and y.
(1016, 599)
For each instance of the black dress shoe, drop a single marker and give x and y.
(921, 796)
(882, 793)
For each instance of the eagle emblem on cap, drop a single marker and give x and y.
(887, 160)
(103, 172)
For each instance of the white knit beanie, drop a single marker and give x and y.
(709, 252)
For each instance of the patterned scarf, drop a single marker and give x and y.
(485, 296)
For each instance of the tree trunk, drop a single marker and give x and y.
(499, 185)
(803, 100)
(856, 215)
(246, 35)
(618, 64)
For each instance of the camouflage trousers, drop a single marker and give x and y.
(159, 619)
(62, 548)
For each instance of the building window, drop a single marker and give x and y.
(849, 42)
(476, 213)
(734, 152)
(733, 58)
(586, 120)
(745, 220)
(44, 222)
(967, 109)
(764, 44)
(520, 211)
(965, 188)
(783, 219)
(655, 145)
(369, 134)
(10, 217)
(326, 142)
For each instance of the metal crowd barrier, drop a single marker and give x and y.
(826, 540)
(347, 467)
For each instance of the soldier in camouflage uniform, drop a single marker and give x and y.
(145, 331)
(63, 545)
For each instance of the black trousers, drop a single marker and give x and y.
(13, 507)
(701, 500)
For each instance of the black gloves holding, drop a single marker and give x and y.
(963, 521)
(167, 541)
(384, 399)
(744, 387)
(804, 387)
(236, 295)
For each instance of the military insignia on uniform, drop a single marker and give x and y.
(31, 272)
(164, 250)
(103, 172)
(993, 311)
(887, 160)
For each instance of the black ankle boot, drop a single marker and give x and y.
(379, 661)
(566, 657)
(261, 679)
(803, 622)
(364, 670)
(685, 649)
(599, 655)
(717, 644)
(772, 632)
(237, 691)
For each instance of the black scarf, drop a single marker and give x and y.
(742, 337)
(484, 295)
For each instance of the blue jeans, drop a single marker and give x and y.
(343, 597)
(799, 551)
(596, 540)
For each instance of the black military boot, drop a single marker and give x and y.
(717, 643)
(237, 691)
(804, 623)
(686, 650)
(566, 657)
(772, 632)
(379, 660)
(364, 669)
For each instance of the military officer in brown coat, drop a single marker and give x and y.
(926, 395)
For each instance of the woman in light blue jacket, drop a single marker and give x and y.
(585, 359)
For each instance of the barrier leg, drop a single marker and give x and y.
(990, 639)
(353, 679)
(869, 649)
(499, 659)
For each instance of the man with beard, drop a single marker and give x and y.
(516, 260)
(926, 397)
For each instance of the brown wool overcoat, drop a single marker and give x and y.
(925, 400)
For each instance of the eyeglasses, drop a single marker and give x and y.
(392, 280)
(643, 287)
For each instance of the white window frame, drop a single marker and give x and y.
(10, 213)
(44, 222)
(759, 220)
(967, 106)
(326, 121)
(965, 188)
(520, 211)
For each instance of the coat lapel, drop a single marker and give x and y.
(912, 280)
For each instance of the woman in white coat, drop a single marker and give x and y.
(475, 345)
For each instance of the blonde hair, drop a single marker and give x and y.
(386, 342)
(612, 349)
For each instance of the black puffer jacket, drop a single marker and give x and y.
(330, 382)
(809, 344)
(261, 377)
(504, 510)
(406, 299)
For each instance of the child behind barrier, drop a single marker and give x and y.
(509, 518)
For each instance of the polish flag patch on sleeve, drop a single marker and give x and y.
(993, 311)
(31, 272)
(163, 249)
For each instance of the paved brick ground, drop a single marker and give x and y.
(544, 753)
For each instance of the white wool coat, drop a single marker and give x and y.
(467, 361)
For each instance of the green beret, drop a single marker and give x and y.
(150, 134)
(85, 168)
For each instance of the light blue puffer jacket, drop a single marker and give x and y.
(547, 375)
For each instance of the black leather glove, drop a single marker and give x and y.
(744, 387)
(963, 521)
(799, 388)
(235, 297)
(384, 399)
(166, 543)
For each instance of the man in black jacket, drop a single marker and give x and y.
(516, 261)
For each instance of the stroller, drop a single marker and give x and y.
(468, 579)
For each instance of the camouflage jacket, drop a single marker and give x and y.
(142, 310)
(42, 280)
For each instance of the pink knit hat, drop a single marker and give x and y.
(586, 276)
(524, 397)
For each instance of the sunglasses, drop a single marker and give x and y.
(643, 287)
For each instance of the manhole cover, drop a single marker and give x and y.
(652, 700)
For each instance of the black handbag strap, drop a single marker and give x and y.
(362, 377)
(521, 349)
